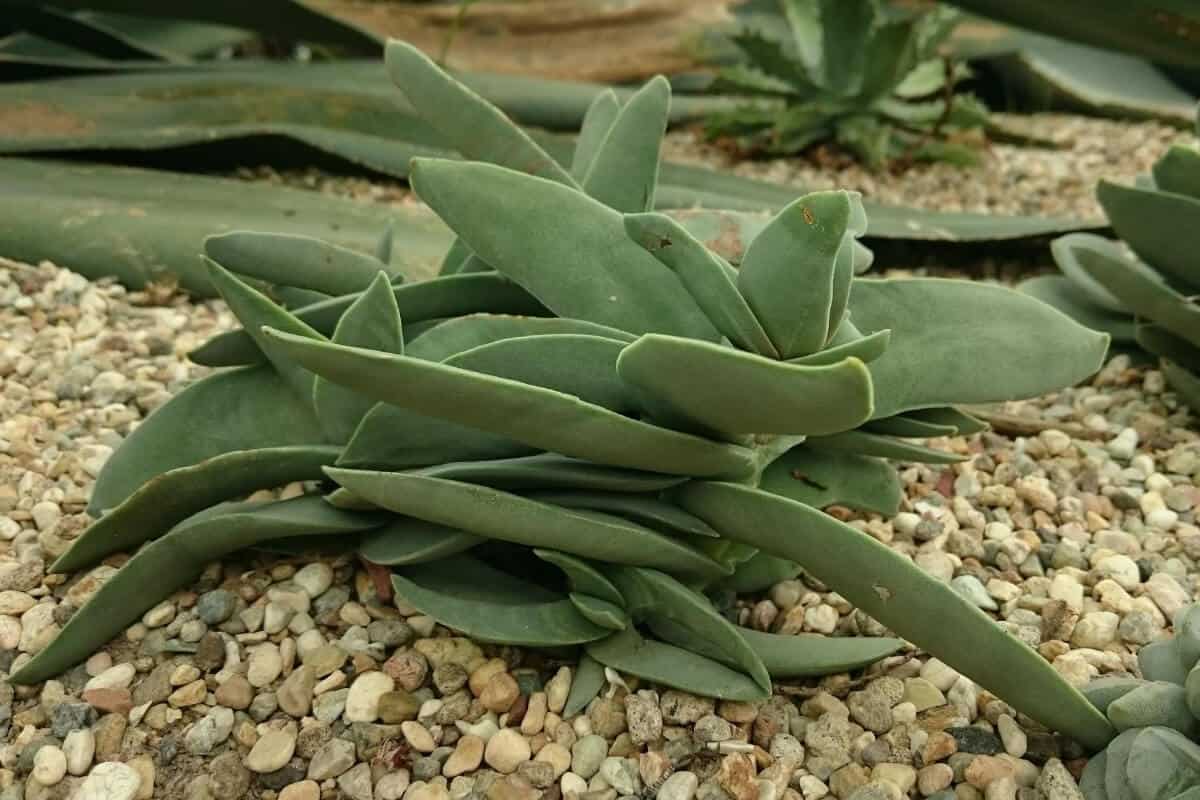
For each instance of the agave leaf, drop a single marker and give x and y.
(804, 20)
(256, 311)
(759, 573)
(656, 597)
(373, 322)
(821, 478)
(175, 559)
(468, 123)
(723, 389)
(571, 363)
(668, 665)
(389, 437)
(447, 296)
(811, 655)
(845, 28)
(468, 595)
(405, 541)
(864, 348)
(769, 57)
(1178, 171)
(530, 229)
(291, 260)
(1062, 293)
(901, 596)
(741, 79)
(787, 274)
(599, 612)
(1185, 383)
(1150, 221)
(541, 418)
(596, 123)
(909, 427)
(890, 55)
(508, 517)
(872, 444)
(467, 332)
(624, 170)
(1165, 344)
(254, 407)
(547, 470)
(645, 510)
(71, 32)
(171, 497)
(582, 577)
(1066, 251)
(962, 342)
(706, 276)
(587, 683)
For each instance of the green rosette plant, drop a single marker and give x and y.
(867, 77)
(1142, 291)
(587, 424)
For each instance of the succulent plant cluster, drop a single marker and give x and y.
(1141, 291)
(1156, 755)
(588, 425)
(867, 77)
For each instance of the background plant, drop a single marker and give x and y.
(587, 422)
(1141, 291)
(868, 78)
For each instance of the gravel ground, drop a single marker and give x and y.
(1073, 523)
(1009, 179)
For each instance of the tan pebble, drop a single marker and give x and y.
(535, 714)
(934, 778)
(189, 695)
(467, 755)
(507, 750)
(117, 701)
(556, 756)
(480, 677)
(143, 765)
(984, 769)
(500, 693)
(418, 736)
(304, 790)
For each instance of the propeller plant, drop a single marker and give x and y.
(1141, 291)
(588, 423)
(869, 78)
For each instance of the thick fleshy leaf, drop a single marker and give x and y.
(963, 422)
(255, 410)
(890, 56)
(624, 170)
(468, 123)
(821, 478)
(449, 296)
(641, 508)
(495, 514)
(1060, 292)
(759, 573)
(599, 612)
(811, 655)
(575, 364)
(864, 348)
(167, 499)
(582, 576)
(1066, 255)
(390, 437)
(172, 561)
(909, 427)
(466, 332)
(727, 390)
(1186, 384)
(405, 541)
(706, 276)
(845, 28)
(586, 684)
(872, 444)
(470, 596)
(1150, 221)
(550, 470)
(456, 257)
(787, 274)
(656, 597)
(1178, 171)
(566, 249)
(592, 131)
(964, 342)
(897, 593)
(538, 417)
(673, 666)
(1165, 344)
(373, 322)
(290, 260)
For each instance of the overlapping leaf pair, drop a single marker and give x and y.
(867, 77)
(1143, 294)
(587, 422)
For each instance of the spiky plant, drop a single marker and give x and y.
(1141, 291)
(868, 78)
(1157, 755)
(588, 423)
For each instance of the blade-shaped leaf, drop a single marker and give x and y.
(903, 597)
(871, 444)
(291, 260)
(1165, 344)
(582, 576)
(641, 508)
(550, 470)
(1178, 171)
(508, 517)
(390, 437)
(167, 499)
(821, 478)
(587, 683)
(1066, 250)
(1150, 221)
(909, 427)
(172, 561)
(1186, 384)
(727, 390)
(405, 541)
(759, 573)
(890, 56)
(1062, 293)
(845, 28)
(963, 342)
(539, 417)
(566, 249)
(864, 348)
(595, 126)
(961, 421)
(624, 170)
(599, 612)
(811, 655)
(466, 332)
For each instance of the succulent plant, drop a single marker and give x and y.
(1156, 755)
(866, 77)
(588, 425)
(1141, 291)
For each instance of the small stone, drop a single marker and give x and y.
(587, 754)
(362, 703)
(143, 765)
(1122, 569)
(115, 677)
(507, 750)
(984, 769)
(315, 579)
(391, 786)
(272, 750)
(621, 774)
(557, 690)
(188, 695)
(110, 780)
(210, 732)
(330, 705)
(67, 717)
(1095, 630)
(235, 693)
(109, 700)
(109, 730)
(325, 660)
(295, 694)
(334, 758)
(934, 778)
(265, 665)
(356, 783)
(1014, 739)
(922, 694)
(79, 748)
(216, 606)
(49, 765)
(556, 756)
(680, 786)
(975, 592)
(304, 790)
(418, 736)
(500, 692)
(643, 717)
(971, 739)
(467, 756)
(1056, 783)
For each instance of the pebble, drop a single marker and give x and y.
(203, 737)
(272, 750)
(680, 786)
(467, 756)
(315, 579)
(110, 780)
(79, 748)
(507, 750)
(115, 677)
(587, 754)
(49, 765)
(265, 665)
(304, 790)
(362, 702)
